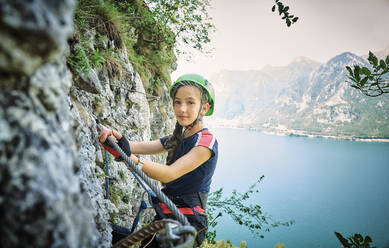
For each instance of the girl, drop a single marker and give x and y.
(192, 153)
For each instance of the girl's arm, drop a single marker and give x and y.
(142, 147)
(163, 173)
(190, 161)
(147, 147)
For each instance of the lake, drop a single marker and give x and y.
(324, 185)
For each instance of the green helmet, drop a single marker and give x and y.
(199, 81)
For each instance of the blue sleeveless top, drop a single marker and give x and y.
(198, 180)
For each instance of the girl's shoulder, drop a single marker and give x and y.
(205, 138)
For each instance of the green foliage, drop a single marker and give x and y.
(110, 159)
(84, 57)
(211, 235)
(78, 60)
(149, 46)
(97, 58)
(222, 244)
(188, 22)
(101, 175)
(242, 212)
(152, 31)
(93, 28)
(102, 28)
(164, 29)
(122, 174)
(283, 10)
(126, 198)
(115, 195)
(279, 245)
(372, 81)
(99, 17)
(145, 222)
(355, 241)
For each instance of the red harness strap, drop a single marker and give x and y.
(185, 211)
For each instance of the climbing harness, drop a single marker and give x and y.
(171, 236)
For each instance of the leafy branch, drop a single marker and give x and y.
(355, 241)
(371, 82)
(242, 213)
(188, 20)
(283, 10)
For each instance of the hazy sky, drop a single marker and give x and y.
(250, 36)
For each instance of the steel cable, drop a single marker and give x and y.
(160, 195)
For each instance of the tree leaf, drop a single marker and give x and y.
(274, 8)
(350, 71)
(366, 71)
(358, 238)
(286, 8)
(288, 22)
(296, 18)
(363, 81)
(372, 59)
(382, 64)
(342, 240)
(356, 72)
(352, 79)
(387, 60)
(280, 8)
(368, 239)
(375, 61)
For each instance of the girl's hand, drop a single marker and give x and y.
(121, 141)
(105, 132)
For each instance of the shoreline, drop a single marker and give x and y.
(296, 133)
(310, 135)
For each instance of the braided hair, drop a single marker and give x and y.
(175, 139)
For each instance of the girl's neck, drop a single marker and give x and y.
(194, 129)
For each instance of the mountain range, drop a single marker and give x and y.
(303, 98)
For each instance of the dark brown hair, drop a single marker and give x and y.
(173, 142)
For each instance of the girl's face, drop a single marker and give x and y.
(186, 104)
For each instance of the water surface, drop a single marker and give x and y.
(324, 185)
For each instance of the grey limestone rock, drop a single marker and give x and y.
(42, 204)
(32, 32)
(52, 178)
(41, 201)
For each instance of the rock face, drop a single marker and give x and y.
(52, 174)
(41, 202)
(121, 105)
(33, 32)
